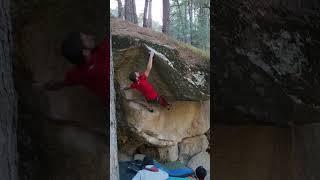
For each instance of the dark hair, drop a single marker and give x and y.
(133, 76)
(201, 172)
(147, 161)
(72, 48)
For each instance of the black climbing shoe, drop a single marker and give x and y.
(150, 110)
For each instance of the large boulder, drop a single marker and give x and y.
(192, 146)
(169, 153)
(266, 63)
(172, 76)
(166, 128)
(179, 74)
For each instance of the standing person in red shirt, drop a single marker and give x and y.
(141, 84)
(91, 65)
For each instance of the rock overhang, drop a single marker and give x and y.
(185, 83)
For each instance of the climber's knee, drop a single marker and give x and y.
(163, 102)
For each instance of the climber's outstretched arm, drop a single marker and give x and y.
(149, 66)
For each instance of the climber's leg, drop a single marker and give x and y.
(162, 101)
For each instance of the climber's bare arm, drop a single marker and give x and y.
(149, 66)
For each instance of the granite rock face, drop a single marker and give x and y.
(266, 62)
(192, 146)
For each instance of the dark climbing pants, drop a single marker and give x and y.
(161, 100)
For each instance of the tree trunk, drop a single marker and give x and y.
(208, 26)
(114, 167)
(150, 14)
(165, 19)
(8, 101)
(130, 11)
(190, 8)
(180, 37)
(120, 9)
(145, 12)
(185, 24)
(202, 27)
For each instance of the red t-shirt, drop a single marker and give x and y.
(94, 74)
(143, 86)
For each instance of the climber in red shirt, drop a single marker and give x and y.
(141, 84)
(91, 65)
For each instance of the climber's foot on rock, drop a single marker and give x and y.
(150, 110)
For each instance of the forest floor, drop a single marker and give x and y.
(186, 51)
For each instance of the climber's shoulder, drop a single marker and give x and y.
(143, 76)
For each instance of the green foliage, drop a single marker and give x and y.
(194, 29)
(203, 53)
